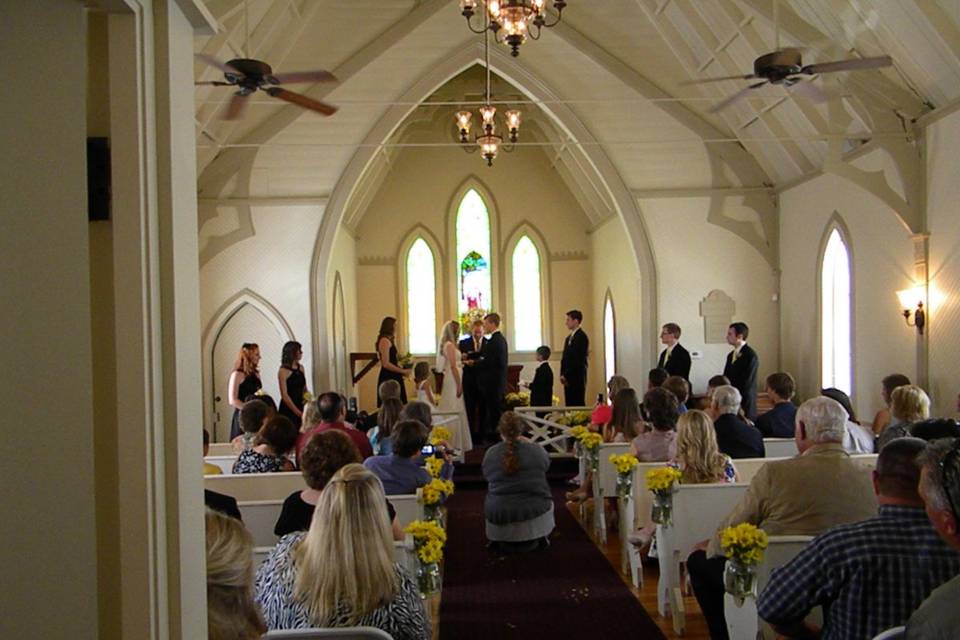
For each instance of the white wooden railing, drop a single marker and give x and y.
(546, 431)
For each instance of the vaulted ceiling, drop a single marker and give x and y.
(617, 66)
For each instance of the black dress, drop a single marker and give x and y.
(391, 375)
(249, 386)
(296, 515)
(296, 385)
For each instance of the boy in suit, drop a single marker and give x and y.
(675, 359)
(541, 389)
(741, 367)
(573, 362)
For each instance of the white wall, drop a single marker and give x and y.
(943, 220)
(882, 262)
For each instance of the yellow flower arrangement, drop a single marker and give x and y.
(577, 432)
(555, 400)
(307, 397)
(260, 392)
(625, 463)
(744, 543)
(428, 538)
(591, 440)
(514, 400)
(434, 466)
(439, 435)
(574, 418)
(436, 490)
(662, 479)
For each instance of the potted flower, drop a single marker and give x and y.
(662, 482)
(428, 541)
(744, 545)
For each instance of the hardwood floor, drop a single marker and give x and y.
(696, 627)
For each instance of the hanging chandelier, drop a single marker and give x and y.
(488, 141)
(512, 21)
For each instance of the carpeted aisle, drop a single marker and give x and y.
(568, 591)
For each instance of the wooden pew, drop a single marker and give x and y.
(780, 447)
(221, 449)
(224, 462)
(249, 487)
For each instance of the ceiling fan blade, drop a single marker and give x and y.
(302, 76)
(302, 101)
(739, 95)
(213, 62)
(214, 83)
(722, 79)
(848, 65)
(236, 106)
(813, 93)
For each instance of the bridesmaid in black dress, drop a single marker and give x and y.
(244, 382)
(390, 368)
(293, 382)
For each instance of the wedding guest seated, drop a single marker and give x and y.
(858, 439)
(275, 440)
(938, 618)
(778, 422)
(209, 469)
(935, 429)
(333, 411)
(401, 472)
(518, 508)
(222, 503)
(341, 572)
(656, 378)
(231, 611)
(871, 575)
(419, 411)
(887, 385)
(698, 459)
(311, 416)
(324, 455)
(603, 412)
(680, 388)
(660, 442)
(625, 420)
(387, 417)
(806, 495)
(908, 404)
(253, 415)
(735, 437)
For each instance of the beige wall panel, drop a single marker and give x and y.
(376, 298)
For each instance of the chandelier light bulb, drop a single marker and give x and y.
(488, 112)
(493, 6)
(518, 20)
(468, 5)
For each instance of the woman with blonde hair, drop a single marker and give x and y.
(244, 382)
(341, 573)
(231, 612)
(908, 404)
(449, 362)
(311, 416)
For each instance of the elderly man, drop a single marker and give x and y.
(806, 495)
(871, 575)
(735, 437)
(938, 618)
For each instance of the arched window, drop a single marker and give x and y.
(474, 284)
(609, 339)
(421, 298)
(527, 320)
(836, 342)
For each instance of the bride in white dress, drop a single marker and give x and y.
(451, 399)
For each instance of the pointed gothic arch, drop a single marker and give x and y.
(835, 306)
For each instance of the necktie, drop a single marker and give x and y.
(736, 354)
(666, 358)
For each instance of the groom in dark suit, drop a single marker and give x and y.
(675, 359)
(741, 368)
(492, 376)
(471, 347)
(573, 362)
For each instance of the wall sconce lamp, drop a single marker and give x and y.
(912, 304)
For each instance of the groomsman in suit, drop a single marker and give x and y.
(675, 359)
(492, 373)
(741, 368)
(470, 347)
(541, 388)
(573, 363)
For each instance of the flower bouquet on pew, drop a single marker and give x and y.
(428, 540)
(590, 443)
(744, 546)
(662, 483)
(432, 496)
(625, 463)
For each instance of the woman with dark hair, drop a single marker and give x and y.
(244, 382)
(519, 507)
(276, 438)
(856, 439)
(293, 382)
(390, 368)
(625, 421)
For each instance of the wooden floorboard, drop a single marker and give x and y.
(696, 626)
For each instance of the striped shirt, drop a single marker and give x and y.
(868, 576)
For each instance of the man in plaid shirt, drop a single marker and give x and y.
(871, 575)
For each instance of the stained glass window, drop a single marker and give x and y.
(421, 298)
(527, 321)
(474, 289)
(609, 339)
(835, 310)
